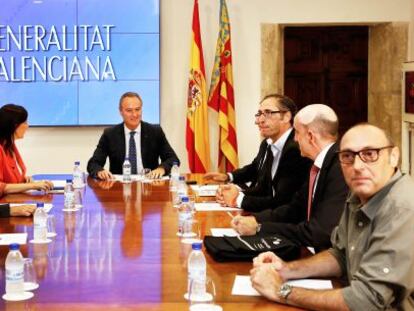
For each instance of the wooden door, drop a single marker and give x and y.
(329, 65)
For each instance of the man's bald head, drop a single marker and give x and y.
(320, 118)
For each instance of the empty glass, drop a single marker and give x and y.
(143, 173)
(51, 226)
(190, 231)
(30, 281)
(201, 295)
(79, 193)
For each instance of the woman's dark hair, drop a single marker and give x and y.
(11, 116)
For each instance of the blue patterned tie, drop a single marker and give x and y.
(132, 153)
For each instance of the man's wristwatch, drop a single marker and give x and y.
(284, 291)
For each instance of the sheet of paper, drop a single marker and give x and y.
(205, 190)
(211, 207)
(223, 232)
(9, 238)
(139, 178)
(47, 206)
(243, 287)
(58, 184)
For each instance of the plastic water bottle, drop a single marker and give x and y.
(14, 271)
(77, 176)
(126, 171)
(197, 270)
(182, 190)
(40, 223)
(184, 213)
(69, 195)
(175, 175)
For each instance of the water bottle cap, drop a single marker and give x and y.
(77, 163)
(126, 158)
(197, 246)
(184, 199)
(14, 247)
(68, 181)
(41, 205)
(181, 178)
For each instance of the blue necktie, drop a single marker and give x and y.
(132, 153)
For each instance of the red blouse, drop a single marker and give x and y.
(9, 167)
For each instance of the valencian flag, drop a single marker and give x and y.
(221, 96)
(197, 136)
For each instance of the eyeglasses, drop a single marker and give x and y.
(366, 155)
(268, 113)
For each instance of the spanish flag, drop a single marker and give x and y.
(221, 96)
(197, 135)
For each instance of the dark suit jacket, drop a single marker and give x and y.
(291, 174)
(154, 145)
(290, 220)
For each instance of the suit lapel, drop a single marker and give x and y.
(144, 139)
(121, 138)
(289, 144)
(327, 162)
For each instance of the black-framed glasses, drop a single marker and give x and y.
(268, 113)
(368, 155)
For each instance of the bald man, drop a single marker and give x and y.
(372, 245)
(309, 218)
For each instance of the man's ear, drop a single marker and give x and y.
(395, 157)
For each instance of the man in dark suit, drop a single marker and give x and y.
(315, 210)
(277, 171)
(141, 142)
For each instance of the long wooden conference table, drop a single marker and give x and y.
(119, 252)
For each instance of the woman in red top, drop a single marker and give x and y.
(13, 125)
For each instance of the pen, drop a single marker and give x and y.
(230, 214)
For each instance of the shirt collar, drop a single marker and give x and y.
(370, 208)
(321, 156)
(127, 130)
(279, 143)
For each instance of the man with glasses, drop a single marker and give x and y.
(277, 171)
(372, 244)
(309, 218)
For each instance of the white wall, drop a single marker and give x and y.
(55, 149)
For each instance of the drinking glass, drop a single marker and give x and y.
(79, 193)
(201, 295)
(143, 173)
(51, 226)
(190, 231)
(30, 281)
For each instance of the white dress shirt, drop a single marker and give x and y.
(276, 148)
(318, 162)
